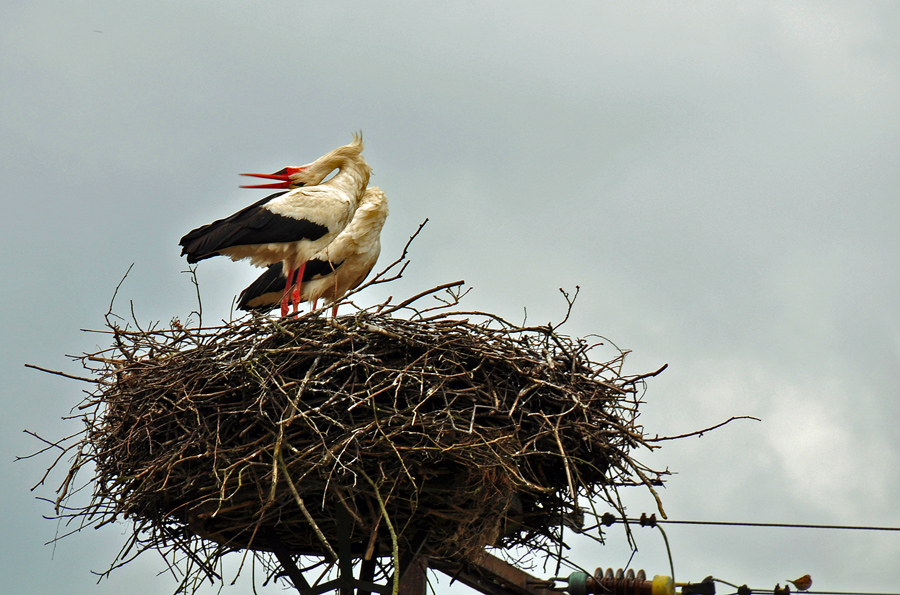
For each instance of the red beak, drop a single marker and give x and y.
(284, 175)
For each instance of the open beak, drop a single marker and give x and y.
(285, 176)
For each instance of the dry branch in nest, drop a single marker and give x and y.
(448, 431)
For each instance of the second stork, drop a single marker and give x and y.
(340, 267)
(293, 226)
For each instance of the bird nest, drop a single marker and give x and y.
(439, 433)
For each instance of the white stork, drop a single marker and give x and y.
(340, 267)
(289, 227)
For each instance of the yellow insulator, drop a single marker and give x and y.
(663, 585)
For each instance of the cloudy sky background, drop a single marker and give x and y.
(720, 179)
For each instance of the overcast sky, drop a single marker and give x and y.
(720, 179)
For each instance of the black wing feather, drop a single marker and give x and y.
(252, 225)
(266, 292)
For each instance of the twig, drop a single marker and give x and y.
(312, 522)
(116, 292)
(395, 550)
(703, 431)
(63, 374)
(422, 294)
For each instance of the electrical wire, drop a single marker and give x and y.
(669, 552)
(784, 525)
(769, 592)
(745, 590)
(608, 519)
(651, 521)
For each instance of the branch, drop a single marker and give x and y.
(703, 431)
(63, 374)
(111, 301)
(570, 302)
(407, 302)
(380, 277)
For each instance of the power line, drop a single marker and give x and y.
(651, 521)
(745, 590)
(785, 525)
(769, 592)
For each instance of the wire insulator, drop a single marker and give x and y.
(620, 582)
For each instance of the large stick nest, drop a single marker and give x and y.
(461, 429)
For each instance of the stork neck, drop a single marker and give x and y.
(352, 178)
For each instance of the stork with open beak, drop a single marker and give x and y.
(293, 226)
(342, 266)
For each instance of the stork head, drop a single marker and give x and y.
(313, 173)
(290, 178)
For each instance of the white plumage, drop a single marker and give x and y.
(293, 226)
(343, 265)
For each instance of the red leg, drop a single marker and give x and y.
(287, 293)
(298, 284)
(334, 311)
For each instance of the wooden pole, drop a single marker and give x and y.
(415, 580)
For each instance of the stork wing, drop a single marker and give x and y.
(266, 292)
(252, 225)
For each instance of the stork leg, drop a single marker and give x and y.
(287, 292)
(298, 283)
(334, 311)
